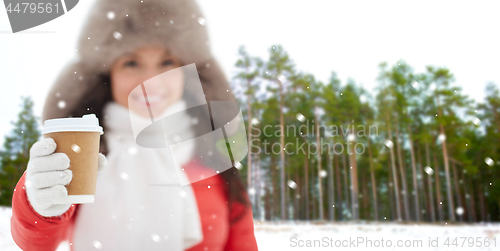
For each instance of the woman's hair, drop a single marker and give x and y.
(94, 100)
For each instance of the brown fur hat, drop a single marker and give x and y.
(115, 27)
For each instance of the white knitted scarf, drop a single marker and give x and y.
(130, 212)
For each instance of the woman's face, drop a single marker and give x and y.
(131, 70)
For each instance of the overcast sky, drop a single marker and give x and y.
(348, 37)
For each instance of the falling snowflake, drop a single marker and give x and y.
(351, 137)
(389, 143)
(292, 184)
(111, 15)
(61, 104)
(238, 165)
(489, 161)
(362, 98)
(117, 35)
(182, 193)
(156, 238)
(255, 121)
(476, 121)
(282, 78)
(429, 170)
(177, 138)
(300, 117)
(251, 191)
(441, 137)
(459, 210)
(132, 150)
(323, 173)
(202, 21)
(76, 148)
(124, 175)
(97, 244)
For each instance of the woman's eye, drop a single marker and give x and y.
(130, 63)
(168, 62)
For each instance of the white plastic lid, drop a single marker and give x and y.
(87, 123)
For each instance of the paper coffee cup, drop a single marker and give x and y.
(79, 139)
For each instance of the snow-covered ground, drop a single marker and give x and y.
(347, 236)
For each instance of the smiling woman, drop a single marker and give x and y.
(133, 69)
(145, 64)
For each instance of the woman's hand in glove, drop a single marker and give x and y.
(46, 176)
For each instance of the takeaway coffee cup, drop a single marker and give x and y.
(79, 139)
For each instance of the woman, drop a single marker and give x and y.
(124, 44)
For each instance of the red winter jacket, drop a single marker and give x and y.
(32, 231)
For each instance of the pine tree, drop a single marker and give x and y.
(250, 67)
(15, 153)
(279, 68)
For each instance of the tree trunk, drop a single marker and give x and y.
(319, 148)
(429, 184)
(468, 200)
(313, 200)
(438, 190)
(392, 205)
(258, 187)
(364, 194)
(306, 181)
(394, 174)
(297, 198)
(331, 190)
(451, 208)
(267, 205)
(421, 176)
(282, 153)
(339, 188)
(275, 188)
(457, 189)
(353, 166)
(288, 201)
(374, 184)
(482, 203)
(414, 170)
(403, 176)
(346, 183)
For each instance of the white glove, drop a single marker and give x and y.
(46, 177)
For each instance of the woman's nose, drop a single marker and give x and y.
(154, 80)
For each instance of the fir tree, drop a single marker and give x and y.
(15, 153)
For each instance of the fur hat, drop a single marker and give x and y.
(115, 27)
